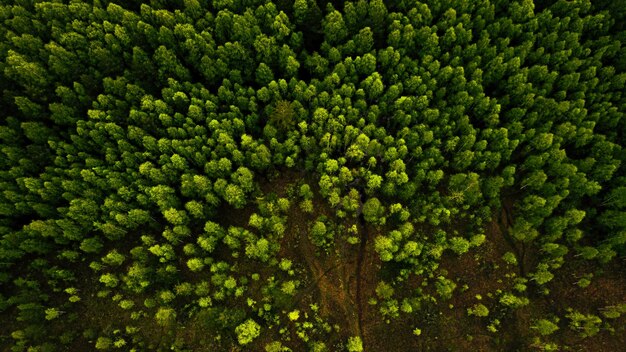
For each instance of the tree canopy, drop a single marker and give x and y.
(308, 175)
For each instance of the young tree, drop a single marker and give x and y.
(320, 235)
(165, 316)
(247, 331)
(479, 310)
(445, 287)
(545, 327)
(354, 344)
(459, 245)
(195, 264)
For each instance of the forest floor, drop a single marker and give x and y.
(343, 279)
(446, 326)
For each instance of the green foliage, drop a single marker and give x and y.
(276, 346)
(113, 258)
(165, 316)
(235, 196)
(445, 287)
(374, 211)
(512, 301)
(195, 264)
(109, 280)
(283, 116)
(103, 343)
(384, 290)
(585, 324)
(53, 313)
(614, 311)
(91, 245)
(320, 234)
(247, 332)
(479, 310)
(510, 258)
(459, 245)
(354, 344)
(545, 327)
(542, 275)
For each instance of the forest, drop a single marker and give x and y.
(310, 176)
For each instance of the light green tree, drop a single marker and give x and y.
(354, 344)
(374, 211)
(545, 327)
(165, 316)
(247, 331)
(479, 310)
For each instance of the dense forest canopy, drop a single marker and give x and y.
(249, 175)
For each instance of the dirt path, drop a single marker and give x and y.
(505, 223)
(331, 276)
(359, 273)
(340, 279)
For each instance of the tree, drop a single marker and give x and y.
(277, 346)
(523, 231)
(444, 287)
(175, 217)
(165, 316)
(373, 183)
(103, 343)
(113, 258)
(364, 42)
(542, 275)
(374, 211)
(53, 313)
(247, 331)
(264, 74)
(459, 245)
(91, 245)
(235, 196)
(479, 310)
(354, 344)
(586, 324)
(510, 258)
(30, 75)
(127, 127)
(300, 9)
(283, 115)
(244, 178)
(259, 249)
(320, 235)
(384, 291)
(513, 301)
(289, 287)
(195, 209)
(195, 264)
(545, 327)
(109, 280)
(335, 30)
(385, 247)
